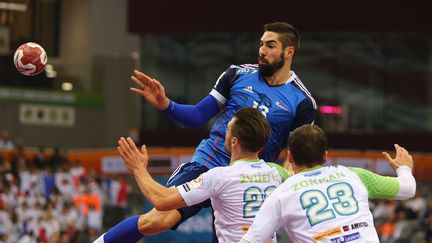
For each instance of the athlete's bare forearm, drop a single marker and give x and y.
(162, 198)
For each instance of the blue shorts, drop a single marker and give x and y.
(185, 173)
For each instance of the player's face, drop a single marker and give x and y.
(271, 56)
(228, 136)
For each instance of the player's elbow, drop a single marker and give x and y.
(412, 190)
(161, 204)
(407, 188)
(161, 207)
(407, 194)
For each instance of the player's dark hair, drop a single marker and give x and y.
(307, 144)
(251, 128)
(288, 35)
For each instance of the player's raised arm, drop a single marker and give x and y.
(385, 187)
(403, 165)
(188, 115)
(151, 89)
(136, 161)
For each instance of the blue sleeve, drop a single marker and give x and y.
(305, 114)
(193, 115)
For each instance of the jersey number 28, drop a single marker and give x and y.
(253, 198)
(316, 203)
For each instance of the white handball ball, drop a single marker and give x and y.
(30, 59)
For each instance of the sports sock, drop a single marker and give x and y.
(125, 231)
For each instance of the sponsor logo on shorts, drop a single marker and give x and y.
(197, 182)
(346, 238)
(327, 233)
(355, 226)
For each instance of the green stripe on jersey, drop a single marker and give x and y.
(284, 173)
(378, 186)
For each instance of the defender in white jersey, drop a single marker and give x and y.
(236, 191)
(328, 203)
(236, 194)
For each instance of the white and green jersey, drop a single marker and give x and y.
(328, 204)
(236, 192)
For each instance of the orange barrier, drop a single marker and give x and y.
(7, 155)
(92, 159)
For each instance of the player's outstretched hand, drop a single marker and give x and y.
(402, 158)
(134, 159)
(151, 89)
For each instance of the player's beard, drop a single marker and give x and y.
(268, 69)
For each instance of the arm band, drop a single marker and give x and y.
(193, 115)
(407, 183)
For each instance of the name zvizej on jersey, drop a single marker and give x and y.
(236, 192)
(285, 106)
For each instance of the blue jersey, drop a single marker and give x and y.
(285, 106)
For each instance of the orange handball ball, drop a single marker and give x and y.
(30, 59)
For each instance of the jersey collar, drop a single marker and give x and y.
(290, 79)
(246, 161)
(293, 76)
(313, 168)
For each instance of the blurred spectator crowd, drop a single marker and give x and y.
(405, 221)
(48, 198)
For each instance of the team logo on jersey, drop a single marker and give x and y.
(281, 105)
(197, 182)
(249, 89)
(346, 238)
(327, 233)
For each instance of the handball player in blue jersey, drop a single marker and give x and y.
(271, 87)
